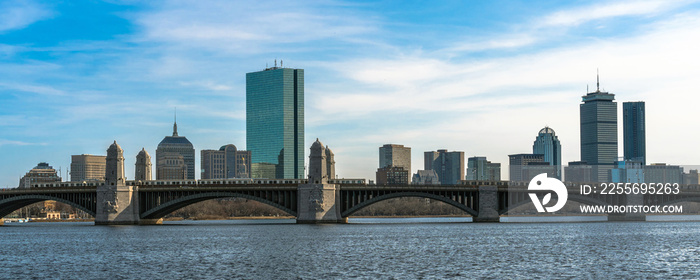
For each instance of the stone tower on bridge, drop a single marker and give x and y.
(143, 166)
(117, 203)
(318, 200)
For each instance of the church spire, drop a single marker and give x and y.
(175, 124)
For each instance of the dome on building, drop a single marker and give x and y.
(144, 153)
(115, 147)
(547, 130)
(317, 144)
(223, 148)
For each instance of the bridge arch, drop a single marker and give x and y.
(379, 198)
(168, 207)
(11, 204)
(572, 197)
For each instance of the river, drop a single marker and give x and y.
(366, 248)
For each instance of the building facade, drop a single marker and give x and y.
(395, 155)
(547, 143)
(578, 172)
(449, 166)
(143, 166)
(171, 166)
(41, 174)
(598, 116)
(518, 166)
(478, 168)
(425, 177)
(225, 163)
(392, 175)
(165, 157)
(634, 131)
(275, 121)
(87, 168)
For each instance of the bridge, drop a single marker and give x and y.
(485, 201)
(318, 199)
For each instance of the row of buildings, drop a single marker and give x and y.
(274, 138)
(599, 154)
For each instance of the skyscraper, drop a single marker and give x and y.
(599, 133)
(275, 121)
(449, 166)
(547, 144)
(225, 163)
(171, 147)
(395, 155)
(634, 133)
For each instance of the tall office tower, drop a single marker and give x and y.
(275, 122)
(395, 155)
(143, 166)
(599, 133)
(449, 166)
(633, 122)
(547, 144)
(87, 168)
(41, 174)
(225, 163)
(478, 168)
(174, 145)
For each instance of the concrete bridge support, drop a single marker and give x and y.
(319, 204)
(488, 205)
(117, 203)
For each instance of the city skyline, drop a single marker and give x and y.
(455, 79)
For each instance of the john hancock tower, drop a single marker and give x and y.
(275, 122)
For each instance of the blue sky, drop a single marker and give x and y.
(475, 76)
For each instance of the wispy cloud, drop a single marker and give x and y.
(5, 142)
(38, 89)
(20, 14)
(248, 26)
(580, 15)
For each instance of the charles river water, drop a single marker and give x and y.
(411, 248)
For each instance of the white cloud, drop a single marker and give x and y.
(248, 26)
(577, 16)
(5, 142)
(20, 14)
(38, 89)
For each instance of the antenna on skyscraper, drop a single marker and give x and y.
(275, 63)
(597, 80)
(281, 63)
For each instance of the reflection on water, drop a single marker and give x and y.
(407, 248)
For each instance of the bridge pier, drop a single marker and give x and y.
(318, 204)
(488, 205)
(117, 203)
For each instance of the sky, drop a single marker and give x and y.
(481, 77)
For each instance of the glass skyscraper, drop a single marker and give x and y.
(547, 144)
(599, 133)
(275, 122)
(633, 123)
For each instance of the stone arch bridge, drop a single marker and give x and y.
(484, 201)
